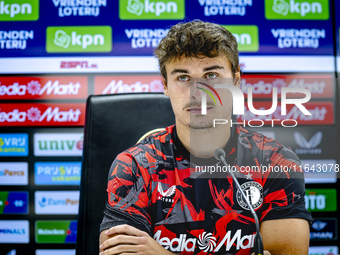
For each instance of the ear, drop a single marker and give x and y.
(237, 80)
(165, 85)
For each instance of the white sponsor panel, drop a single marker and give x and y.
(58, 144)
(13, 173)
(320, 170)
(269, 64)
(55, 252)
(14, 231)
(56, 202)
(323, 250)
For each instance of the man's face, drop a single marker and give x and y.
(185, 83)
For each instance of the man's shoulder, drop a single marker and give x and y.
(260, 144)
(257, 137)
(158, 140)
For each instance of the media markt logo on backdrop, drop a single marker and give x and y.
(13, 202)
(128, 84)
(13, 145)
(226, 7)
(43, 87)
(78, 39)
(32, 114)
(321, 200)
(56, 202)
(247, 37)
(60, 144)
(19, 10)
(151, 9)
(57, 173)
(79, 7)
(297, 9)
(56, 231)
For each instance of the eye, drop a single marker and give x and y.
(211, 75)
(183, 78)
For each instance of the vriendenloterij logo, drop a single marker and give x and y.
(19, 10)
(297, 9)
(247, 37)
(151, 9)
(79, 39)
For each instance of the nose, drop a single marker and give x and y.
(196, 91)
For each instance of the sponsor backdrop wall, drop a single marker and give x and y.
(55, 53)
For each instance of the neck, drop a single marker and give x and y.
(203, 142)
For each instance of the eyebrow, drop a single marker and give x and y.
(179, 71)
(204, 70)
(212, 68)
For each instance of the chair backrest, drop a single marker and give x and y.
(113, 123)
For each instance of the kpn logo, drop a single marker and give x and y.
(151, 9)
(297, 9)
(79, 39)
(19, 10)
(247, 37)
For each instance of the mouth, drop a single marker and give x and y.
(198, 109)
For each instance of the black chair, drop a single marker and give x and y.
(113, 123)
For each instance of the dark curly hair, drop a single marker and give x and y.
(197, 39)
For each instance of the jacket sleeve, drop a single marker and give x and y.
(128, 200)
(284, 187)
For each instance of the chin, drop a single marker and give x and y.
(201, 125)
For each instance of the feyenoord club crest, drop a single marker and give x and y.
(253, 192)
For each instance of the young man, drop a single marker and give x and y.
(159, 204)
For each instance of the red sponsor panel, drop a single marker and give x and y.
(320, 86)
(44, 87)
(127, 84)
(322, 113)
(46, 114)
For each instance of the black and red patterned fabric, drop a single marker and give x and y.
(156, 187)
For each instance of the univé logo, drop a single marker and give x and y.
(151, 9)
